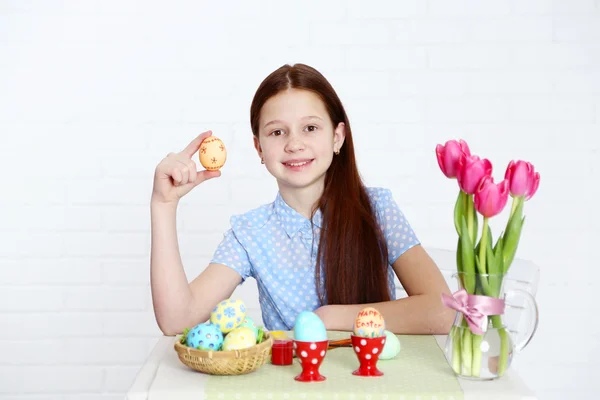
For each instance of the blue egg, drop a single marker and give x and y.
(205, 336)
(309, 328)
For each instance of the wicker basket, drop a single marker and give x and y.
(234, 362)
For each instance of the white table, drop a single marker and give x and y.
(509, 387)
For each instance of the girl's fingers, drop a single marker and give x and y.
(185, 171)
(176, 175)
(194, 145)
(206, 175)
(193, 171)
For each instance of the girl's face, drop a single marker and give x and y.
(297, 139)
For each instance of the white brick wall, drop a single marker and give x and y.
(94, 93)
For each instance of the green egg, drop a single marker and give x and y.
(249, 322)
(391, 348)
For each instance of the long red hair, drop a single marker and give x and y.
(352, 246)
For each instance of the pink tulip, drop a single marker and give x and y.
(535, 183)
(449, 155)
(523, 180)
(471, 171)
(491, 197)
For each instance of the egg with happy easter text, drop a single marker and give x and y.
(240, 338)
(369, 323)
(391, 348)
(249, 322)
(309, 328)
(228, 314)
(212, 153)
(205, 336)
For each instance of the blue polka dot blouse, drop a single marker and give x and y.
(274, 245)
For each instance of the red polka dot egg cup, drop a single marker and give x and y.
(311, 355)
(367, 350)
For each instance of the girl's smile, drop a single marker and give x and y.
(298, 164)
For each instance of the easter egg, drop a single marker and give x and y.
(205, 336)
(309, 328)
(228, 314)
(212, 153)
(249, 322)
(391, 348)
(369, 323)
(240, 338)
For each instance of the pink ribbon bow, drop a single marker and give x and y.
(475, 308)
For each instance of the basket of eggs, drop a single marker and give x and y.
(229, 343)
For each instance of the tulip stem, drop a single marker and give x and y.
(471, 218)
(515, 203)
(483, 247)
(504, 344)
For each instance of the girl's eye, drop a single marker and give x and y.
(311, 128)
(277, 132)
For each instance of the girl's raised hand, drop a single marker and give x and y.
(176, 174)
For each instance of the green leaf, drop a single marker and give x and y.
(490, 237)
(498, 244)
(493, 278)
(510, 254)
(475, 218)
(512, 235)
(475, 288)
(491, 262)
(489, 254)
(467, 249)
(498, 248)
(459, 262)
(260, 335)
(458, 211)
(183, 339)
(496, 268)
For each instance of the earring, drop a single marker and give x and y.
(262, 160)
(337, 152)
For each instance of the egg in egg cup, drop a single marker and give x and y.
(368, 339)
(367, 350)
(311, 355)
(310, 345)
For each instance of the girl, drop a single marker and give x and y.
(326, 243)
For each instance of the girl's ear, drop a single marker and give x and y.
(339, 135)
(257, 146)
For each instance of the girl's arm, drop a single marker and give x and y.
(422, 312)
(177, 303)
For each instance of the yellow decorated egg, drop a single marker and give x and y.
(212, 153)
(239, 338)
(228, 314)
(369, 323)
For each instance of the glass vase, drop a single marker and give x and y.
(489, 354)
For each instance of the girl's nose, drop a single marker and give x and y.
(294, 144)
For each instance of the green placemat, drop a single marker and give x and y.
(420, 371)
